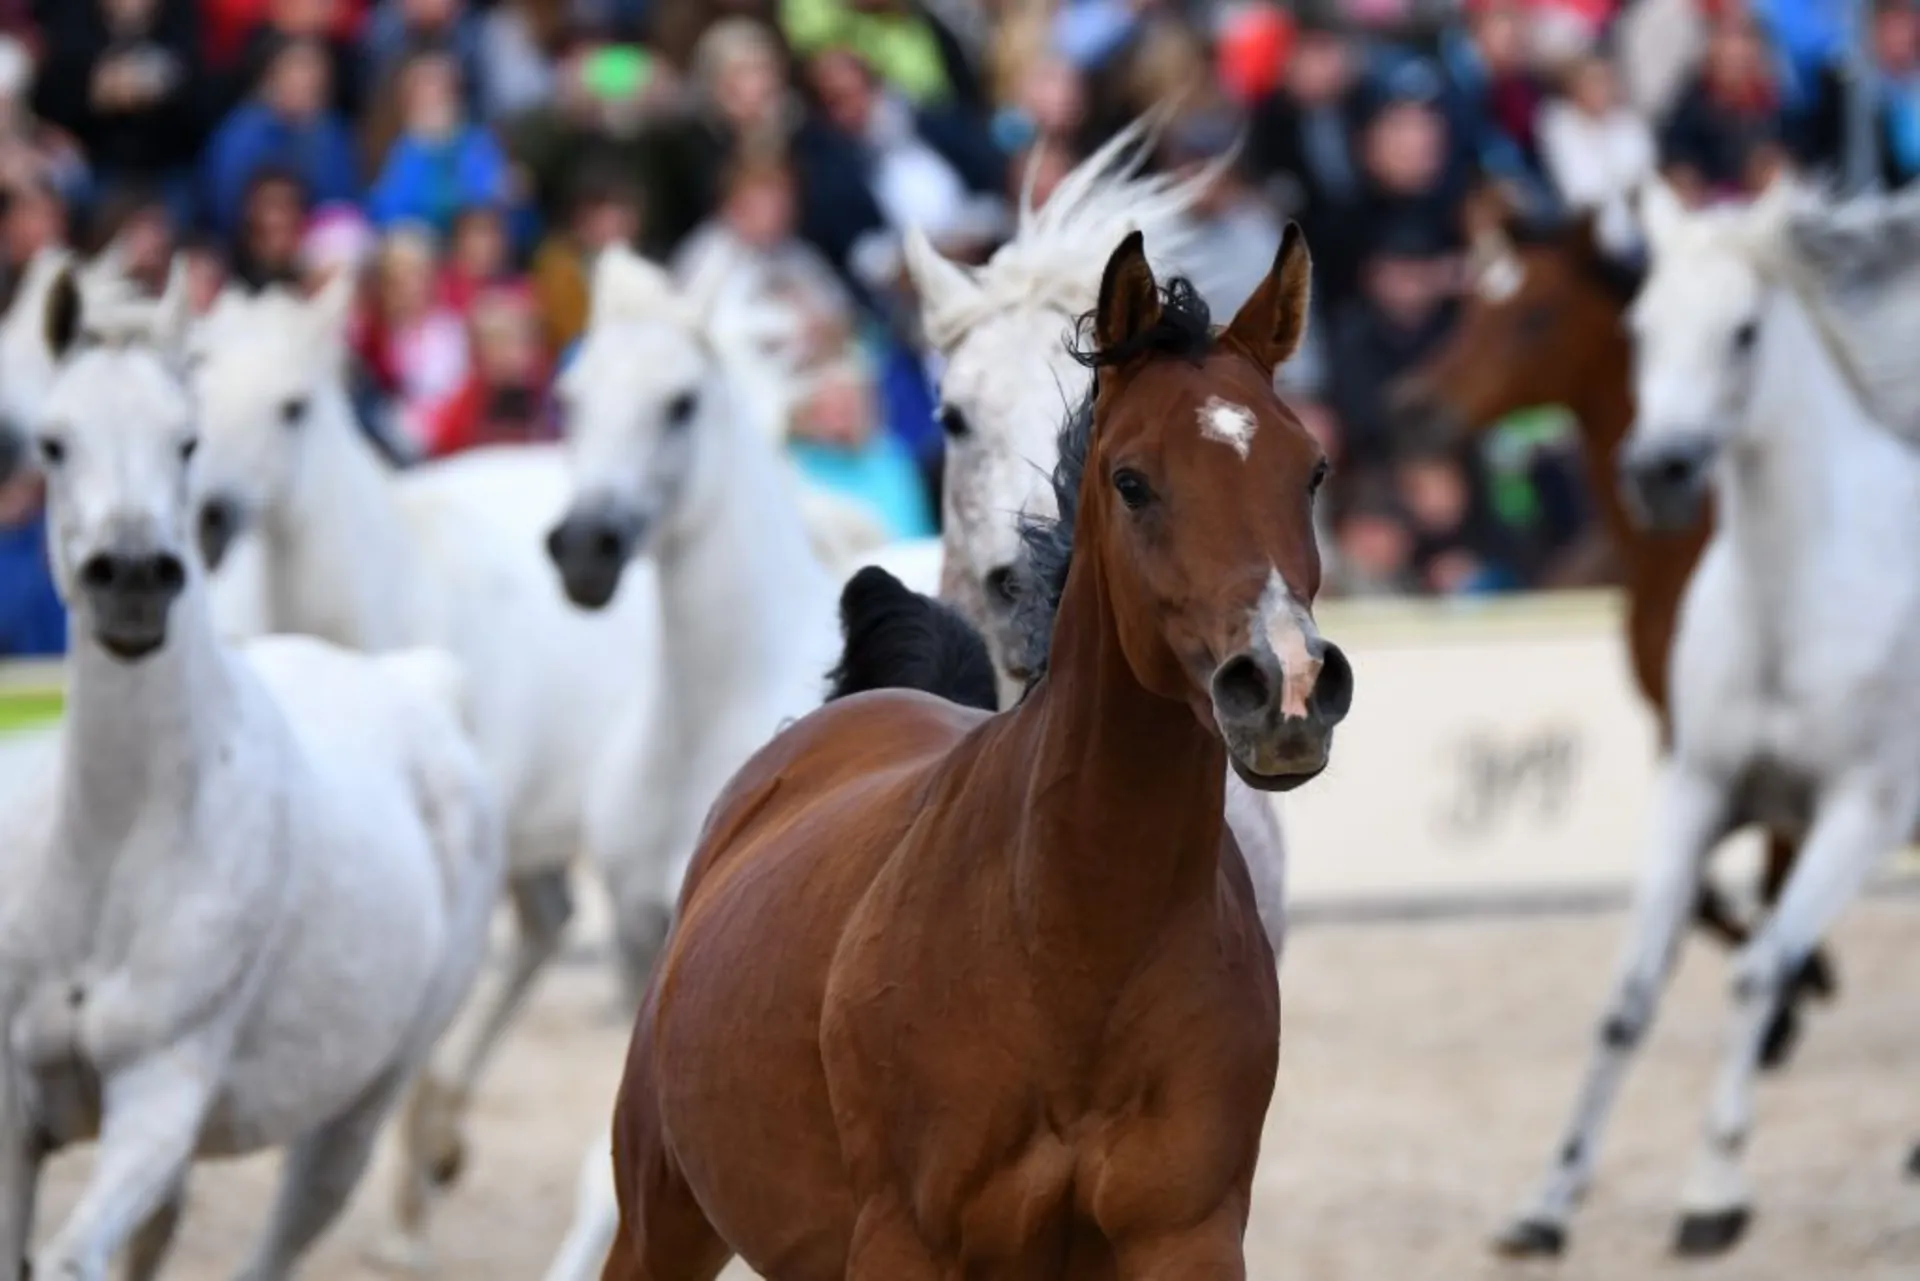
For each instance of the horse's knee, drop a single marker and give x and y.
(1625, 1023)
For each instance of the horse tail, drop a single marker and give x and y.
(898, 639)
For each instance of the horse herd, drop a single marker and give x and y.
(971, 970)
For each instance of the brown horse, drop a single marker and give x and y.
(1544, 324)
(953, 994)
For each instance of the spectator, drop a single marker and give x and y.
(506, 396)
(1410, 170)
(930, 169)
(273, 222)
(899, 43)
(30, 149)
(34, 218)
(141, 227)
(441, 163)
(1459, 548)
(1238, 231)
(1399, 317)
(1373, 544)
(118, 75)
(206, 269)
(518, 43)
(1301, 144)
(838, 444)
(1728, 123)
(605, 210)
(1493, 96)
(399, 28)
(681, 26)
(1896, 44)
(329, 25)
(33, 623)
(1596, 149)
(415, 347)
(1049, 106)
(479, 257)
(285, 125)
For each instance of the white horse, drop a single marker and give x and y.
(674, 460)
(1009, 379)
(446, 553)
(1796, 700)
(229, 841)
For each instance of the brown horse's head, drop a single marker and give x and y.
(1542, 308)
(1187, 488)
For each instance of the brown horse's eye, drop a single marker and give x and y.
(1319, 477)
(1132, 488)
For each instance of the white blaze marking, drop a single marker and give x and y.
(1289, 632)
(1230, 424)
(1501, 277)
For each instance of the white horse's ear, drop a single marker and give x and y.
(173, 314)
(1774, 208)
(1659, 210)
(713, 274)
(60, 312)
(944, 287)
(624, 286)
(332, 307)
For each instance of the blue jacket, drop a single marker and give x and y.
(253, 136)
(430, 182)
(33, 622)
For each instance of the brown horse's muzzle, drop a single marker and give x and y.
(1278, 725)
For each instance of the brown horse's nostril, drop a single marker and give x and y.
(1333, 691)
(1241, 689)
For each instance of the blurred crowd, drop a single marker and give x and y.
(467, 160)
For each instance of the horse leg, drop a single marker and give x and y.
(663, 1234)
(1691, 816)
(433, 1147)
(21, 1155)
(149, 1247)
(1856, 826)
(1815, 978)
(151, 1118)
(320, 1174)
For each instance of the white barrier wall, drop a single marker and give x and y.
(1496, 750)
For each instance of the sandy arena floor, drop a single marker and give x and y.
(1427, 1068)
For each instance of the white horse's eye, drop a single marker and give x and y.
(953, 422)
(53, 450)
(187, 447)
(680, 409)
(1746, 336)
(293, 410)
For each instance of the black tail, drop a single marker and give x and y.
(899, 639)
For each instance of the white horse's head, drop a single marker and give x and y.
(26, 362)
(658, 381)
(116, 437)
(1008, 380)
(1696, 329)
(259, 363)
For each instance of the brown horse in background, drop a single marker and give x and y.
(1544, 323)
(952, 994)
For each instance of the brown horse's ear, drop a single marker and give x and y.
(63, 313)
(1129, 297)
(1271, 323)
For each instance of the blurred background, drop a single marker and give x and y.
(466, 159)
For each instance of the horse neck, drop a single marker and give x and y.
(1123, 796)
(1781, 478)
(134, 730)
(738, 579)
(341, 559)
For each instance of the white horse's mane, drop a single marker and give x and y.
(1862, 257)
(1059, 249)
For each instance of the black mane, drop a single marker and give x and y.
(1184, 331)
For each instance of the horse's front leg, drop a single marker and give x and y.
(1691, 816)
(152, 1111)
(1857, 825)
(21, 1152)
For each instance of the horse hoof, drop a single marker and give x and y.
(400, 1254)
(1816, 976)
(1783, 1034)
(1706, 1235)
(1913, 1163)
(1531, 1239)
